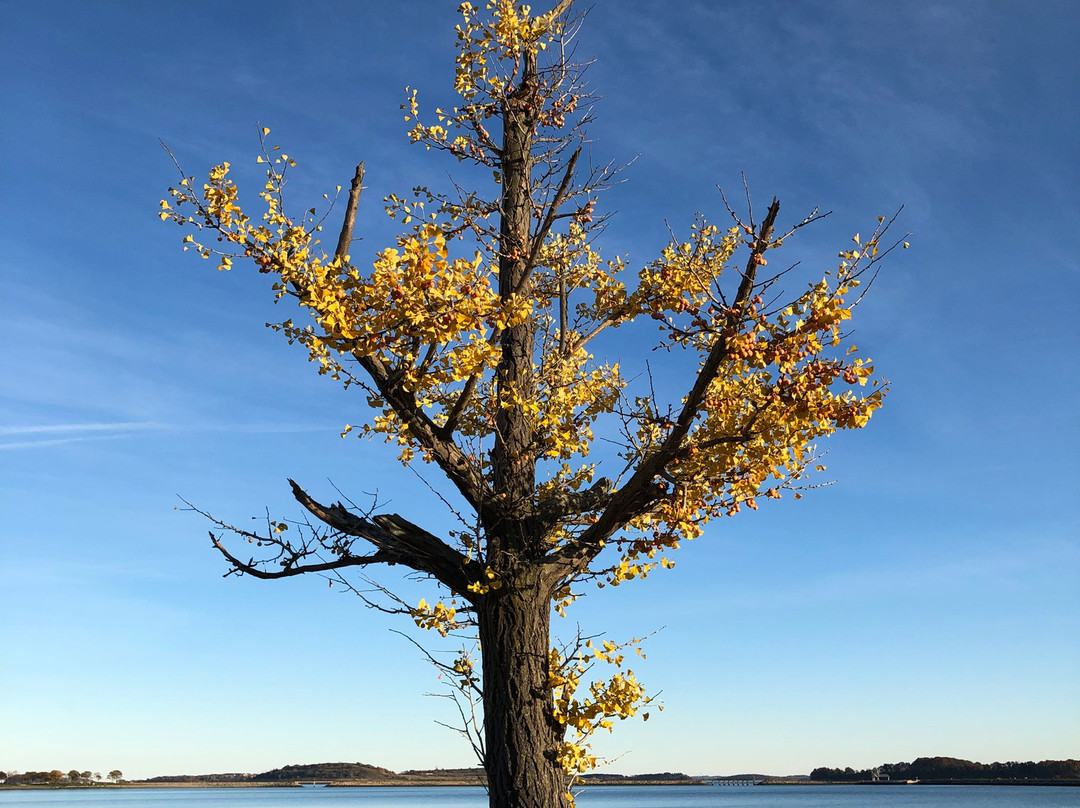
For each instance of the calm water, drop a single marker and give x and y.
(596, 797)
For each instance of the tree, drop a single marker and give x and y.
(116, 775)
(471, 338)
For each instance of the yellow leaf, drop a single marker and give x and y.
(265, 131)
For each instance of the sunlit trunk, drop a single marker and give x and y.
(521, 736)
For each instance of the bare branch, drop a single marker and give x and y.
(399, 541)
(549, 218)
(253, 569)
(346, 237)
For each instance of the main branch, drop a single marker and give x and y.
(644, 489)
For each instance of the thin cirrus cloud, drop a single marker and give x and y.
(44, 435)
(47, 435)
(53, 429)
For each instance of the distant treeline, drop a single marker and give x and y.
(363, 772)
(58, 778)
(321, 772)
(945, 768)
(325, 771)
(52, 778)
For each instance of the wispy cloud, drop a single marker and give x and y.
(40, 444)
(41, 436)
(53, 429)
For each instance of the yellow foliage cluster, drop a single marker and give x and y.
(438, 617)
(617, 697)
(429, 316)
(779, 390)
(486, 584)
(487, 43)
(488, 69)
(682, 279)
(434, 318)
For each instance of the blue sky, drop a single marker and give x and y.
(928, 603)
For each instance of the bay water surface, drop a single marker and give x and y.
(595, 797)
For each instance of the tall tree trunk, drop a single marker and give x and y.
(513, 454)
(521, 735)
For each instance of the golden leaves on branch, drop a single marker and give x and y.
(432, 317)
(583, 711)
(437, 617)
(488, 70)
(783, 383)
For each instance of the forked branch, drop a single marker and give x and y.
(253, 568)
(399, 541)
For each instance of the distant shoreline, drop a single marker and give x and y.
(592, 782)
(922, 771)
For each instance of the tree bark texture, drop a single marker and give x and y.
(513, 464)
(520, 734)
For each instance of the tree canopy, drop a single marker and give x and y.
(473, 338)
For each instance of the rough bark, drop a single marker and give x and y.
(520, 734)
(513, 461)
